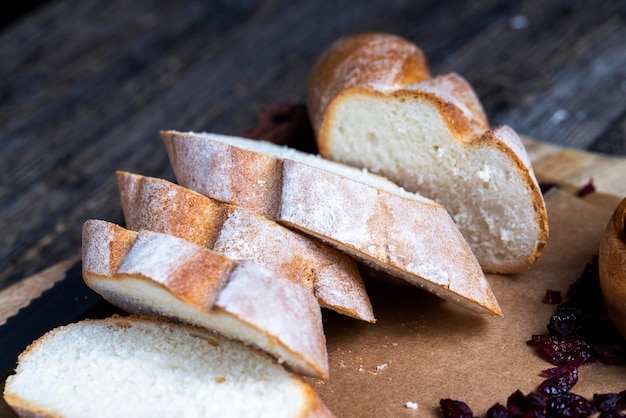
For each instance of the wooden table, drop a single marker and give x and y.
(85, 86)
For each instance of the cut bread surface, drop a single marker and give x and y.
(167, 276)
(491, 194)
(160, 206)
(362, 214)
(146, 367)
(431, 136)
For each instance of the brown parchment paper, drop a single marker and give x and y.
(423, 349)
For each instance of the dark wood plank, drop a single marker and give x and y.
(85, 86)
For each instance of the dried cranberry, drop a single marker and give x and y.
(585, 291)
(530, 405)
(552, 297)
(568, 320)
(586, 189)
(555, 371)
(610, 402)
(569, 405)
(498, 411)
(455, 409)
(560, 383)
(563, 351)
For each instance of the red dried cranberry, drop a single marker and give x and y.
(568, 405)
(455, 409)
(567, 321)
(563, 351)
(530, 405)
(552, 297)
(610, 402)
(586, 189)
(560, 383)
(498, 411)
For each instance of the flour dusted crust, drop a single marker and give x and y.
(431, 136)
(160, 206)
(45, 386)
(361, 214)
(391, 61)
(168, 276)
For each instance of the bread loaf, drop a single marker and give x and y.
(429, 136)
(150, 273)
(140, 367)
(359, 213)
(612, 267)
(160, 206)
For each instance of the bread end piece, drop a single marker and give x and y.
(138, 366)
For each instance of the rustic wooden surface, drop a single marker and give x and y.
(85, 86)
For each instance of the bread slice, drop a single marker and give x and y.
(160, 206)
(360, 213)
(150, 273)
(149, 367)
(431, 137)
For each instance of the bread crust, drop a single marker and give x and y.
(312, 407)
(160, 206)
(458, 106)
(208, 283)
(392, 62)
(356, 218)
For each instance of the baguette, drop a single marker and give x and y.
(359, 213)
(149, 273)
(150, 367)
(430, 136)
(160, 206)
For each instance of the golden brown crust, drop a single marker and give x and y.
(196, 275)
(612, 267)
(158, 205)
(257, 195)
(204, 280)
(141, 205)
(372, 60)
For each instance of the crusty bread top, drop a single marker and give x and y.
(158, 205)
(392, 62)
(165, 275)
(406, 143)
(359, 213)
(140, 367)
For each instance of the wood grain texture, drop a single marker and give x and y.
(85, 86)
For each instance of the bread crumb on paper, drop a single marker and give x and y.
(411, 405)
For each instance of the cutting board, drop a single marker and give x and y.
(422, 349)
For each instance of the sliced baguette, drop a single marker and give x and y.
(150, 273)
(430, 137)
(160, 206)
(360, 213)
(149, 367)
